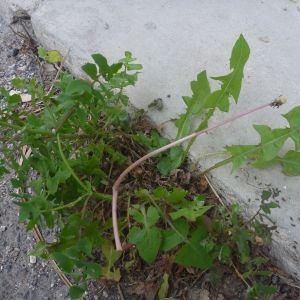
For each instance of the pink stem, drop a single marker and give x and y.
(115, 188)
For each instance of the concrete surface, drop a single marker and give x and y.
(11, 8)
(175, 40)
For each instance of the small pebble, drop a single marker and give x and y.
(32, 259)
(12, 92)
(22, 68)
(3, 228)
(220, 297)
(105, 295)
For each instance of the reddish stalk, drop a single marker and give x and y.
(115, 189)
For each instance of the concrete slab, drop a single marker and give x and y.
(175, 40)
(11, 8)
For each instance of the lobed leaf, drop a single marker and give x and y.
(190, 213)
(293, 117)
(174, 236)
(195, 104)
(231, 83)
(266, 153)
(76, 292)
(290, 163)
(147, 241)
(193, 254)
(271, 141)
(171, 160)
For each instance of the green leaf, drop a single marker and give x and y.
(111, 256)
(147, 241)
(240, 53)
(91, 70)
(60, 177)
(184, 125)
(148, 219)
(3, 170)
(76, 292)
(114, 68)
(78, 87)
(42, 52)
(64, 262)
(107, 274)
(53, 56)
(265, 195)
(265, 153)
(127, 59)
(193, 254)
(18, 83)
(242, 239)
(152, 216)
(218, 99)
(34, 121)
(190, 213)
(153, 142)
(134, 67)
(85, 245)
(25, 211)
(266, 207)
(171, 161)
(177, 195)
(124, 99)
(293, 117)
(271, 141)
(92, 269)
(163, 290)
(39, 249)
(110, 253)
(14, 99)
(260, 291)
(136, 214)
(224, 254)
(195, 104)
(291, 163)
(101, 61)
(4, 92)
(260, 261)
(231, 83)
(172, 238)
(122, 80)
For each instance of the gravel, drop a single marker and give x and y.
(21, 276)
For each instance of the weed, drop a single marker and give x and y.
(71, 137)
(66, 148)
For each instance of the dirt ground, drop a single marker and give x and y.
(22, 277)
